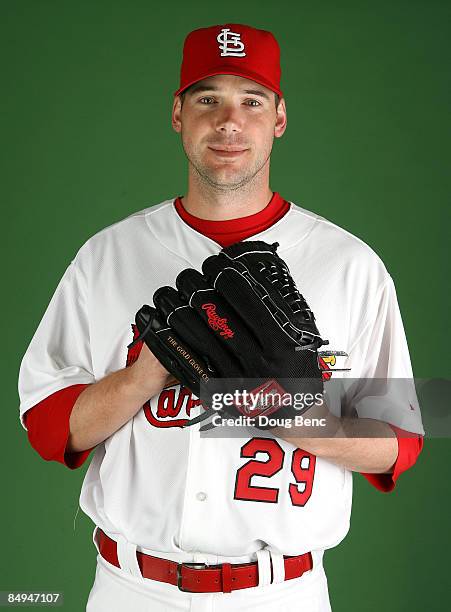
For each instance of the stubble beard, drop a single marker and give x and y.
(220, 180)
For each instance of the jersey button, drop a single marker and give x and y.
(201, 496)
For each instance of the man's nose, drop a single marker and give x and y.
(229, 120)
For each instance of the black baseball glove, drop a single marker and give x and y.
(241, 325)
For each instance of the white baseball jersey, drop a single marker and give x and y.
(168, 489)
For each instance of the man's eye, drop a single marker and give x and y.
(253, 102)
(206, 100)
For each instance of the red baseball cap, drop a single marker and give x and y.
(231, 48)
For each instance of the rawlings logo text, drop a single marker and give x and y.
(216, 322)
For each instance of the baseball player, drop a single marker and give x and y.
(185, 521)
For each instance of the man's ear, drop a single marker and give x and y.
(176, 114)
(281, 119)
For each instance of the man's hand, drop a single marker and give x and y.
(147, 370)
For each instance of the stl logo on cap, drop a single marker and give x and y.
(230, 43)
(231, 48)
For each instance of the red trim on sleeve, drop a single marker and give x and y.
(48, 427)
(410, 446)
(227, 232)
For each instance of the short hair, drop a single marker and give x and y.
(182, 95)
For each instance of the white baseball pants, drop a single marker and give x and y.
(117, 590)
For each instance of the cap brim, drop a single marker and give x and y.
(233, 71)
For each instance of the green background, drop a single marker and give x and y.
(86, 140)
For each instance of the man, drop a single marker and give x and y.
(184, 521)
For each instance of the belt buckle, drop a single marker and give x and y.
(179, 573)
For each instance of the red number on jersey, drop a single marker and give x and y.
(243, 488)
(302, 467)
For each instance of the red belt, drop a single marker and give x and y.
(199, 577)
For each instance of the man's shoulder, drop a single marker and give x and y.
(336, 248)
(134, 220)
(333, 237)
(126, 230)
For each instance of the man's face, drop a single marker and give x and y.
(228, 124)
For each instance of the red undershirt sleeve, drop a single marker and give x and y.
(47, 426)
(409, 447)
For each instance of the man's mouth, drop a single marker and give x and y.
(227, 151)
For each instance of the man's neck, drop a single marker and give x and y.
(207, 202)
